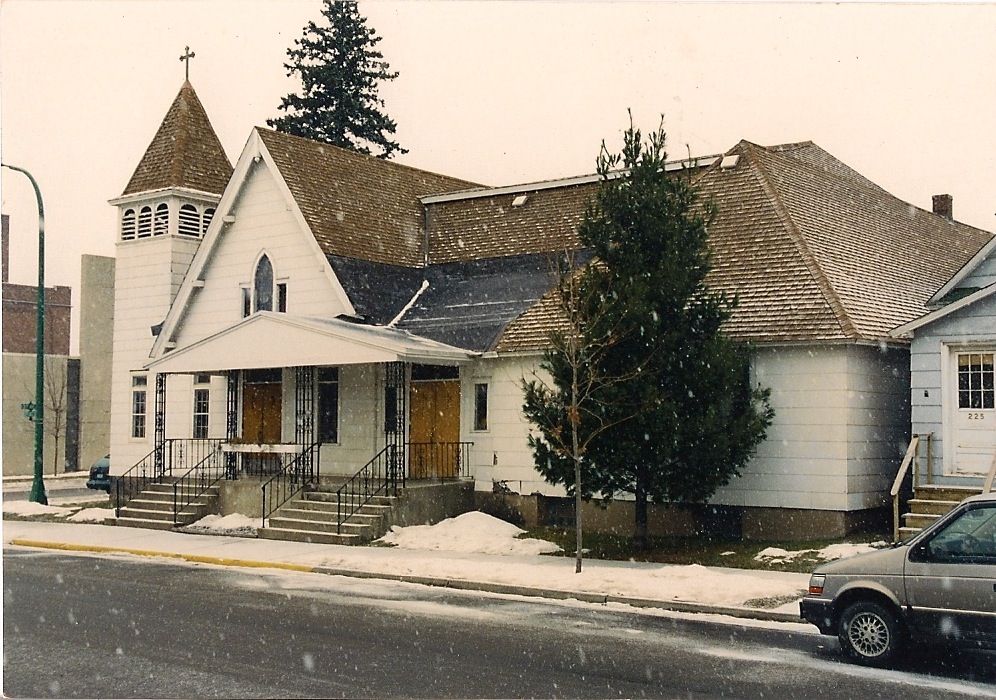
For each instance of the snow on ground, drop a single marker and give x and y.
(233, 524)
(777, 555)
(471, 532)
(32, 508)
(91, 515)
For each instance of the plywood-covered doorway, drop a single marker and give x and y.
(262, 407)
(435, 422)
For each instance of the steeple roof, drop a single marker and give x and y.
(185, 151)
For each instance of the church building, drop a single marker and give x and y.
(314, 320)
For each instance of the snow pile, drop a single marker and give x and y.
(234, 524)
(777, 555)
(473, 532)
(92, 515)
(720, 586)
(32, 508)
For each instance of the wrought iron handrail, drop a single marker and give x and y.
(380, 475)
(193, 483)
(290, 480)
(897, 485)
(438, 460)
(137, 477)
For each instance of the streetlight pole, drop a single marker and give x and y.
(37, 494)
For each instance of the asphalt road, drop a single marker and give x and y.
(89, 626)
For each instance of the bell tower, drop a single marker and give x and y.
(162, 216)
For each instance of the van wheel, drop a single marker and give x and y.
(869, 633)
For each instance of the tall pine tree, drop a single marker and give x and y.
(686, 418)
(340, 71)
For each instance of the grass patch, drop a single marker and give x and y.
(703, 549)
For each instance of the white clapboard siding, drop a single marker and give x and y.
(982, 276)
(263, 223)
(147, 275)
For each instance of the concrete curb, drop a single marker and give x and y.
(456, 584)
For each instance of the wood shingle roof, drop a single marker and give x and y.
(185, 152)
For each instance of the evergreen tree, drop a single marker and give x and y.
(340, 70)
(686, 418)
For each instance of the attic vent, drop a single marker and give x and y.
(190, 223)
(128, 225)
(145, 222)
(206, 221)
(160, 223)
(519, 200)
(729, 162)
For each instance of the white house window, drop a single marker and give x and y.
(145, 222)
(190, 221)
(202, 409)
(328, 404)
(263, 285)
(138, 405)
(976, 380)
(160, 224)
(480, 407)
(206, 220)
(128, 225)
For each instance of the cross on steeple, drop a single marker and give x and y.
(187, 55)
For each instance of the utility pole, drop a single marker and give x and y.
(37, 494)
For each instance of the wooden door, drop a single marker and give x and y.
(435, 429)
(975, 412)
(261, 413)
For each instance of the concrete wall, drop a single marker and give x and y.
(18, 431)
(96, 349)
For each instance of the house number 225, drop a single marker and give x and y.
(976, 416)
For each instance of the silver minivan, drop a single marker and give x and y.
(940, 586)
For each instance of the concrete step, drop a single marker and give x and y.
(303, 524)
(275, 533)
(141, 501)
(930, 507)
(144, 523)
(946, 493)
(164, 488)
(918, 520)
(332, 508)
(906, 533)
(330, 497)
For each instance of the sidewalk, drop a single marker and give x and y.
(735, 592)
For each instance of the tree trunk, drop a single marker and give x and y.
(640, 532)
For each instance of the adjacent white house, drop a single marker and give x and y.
(952, 369)
(313, 308)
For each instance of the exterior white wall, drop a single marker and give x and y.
(147, 275)
(361, 420)
(263, 223)
(501, 453)
(967, 327)
(982, 276)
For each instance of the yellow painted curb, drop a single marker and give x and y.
(198, 558)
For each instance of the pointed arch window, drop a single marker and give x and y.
(128, 225)
(145, 222)
(263, 285)
(160, 224)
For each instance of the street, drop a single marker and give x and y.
(120, 626)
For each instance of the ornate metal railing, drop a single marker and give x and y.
(159, 465)
(193, 483)
(291, 479)
(438, 460)
(380, 476)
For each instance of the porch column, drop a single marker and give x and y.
(304, 417)
(396, 418)
(159, 436)
(234, 386)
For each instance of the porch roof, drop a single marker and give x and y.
(270, 339)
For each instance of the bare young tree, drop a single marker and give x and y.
(570, 402)
(56, 404)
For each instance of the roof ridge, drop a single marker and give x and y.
(812, 264)
(366, 156)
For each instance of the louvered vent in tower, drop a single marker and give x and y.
(206, 221)
(160, 224)
(128, 224)
(190, 221)
(145, 222)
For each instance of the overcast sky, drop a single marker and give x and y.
(500, 93)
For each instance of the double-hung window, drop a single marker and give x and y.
(138, 405)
